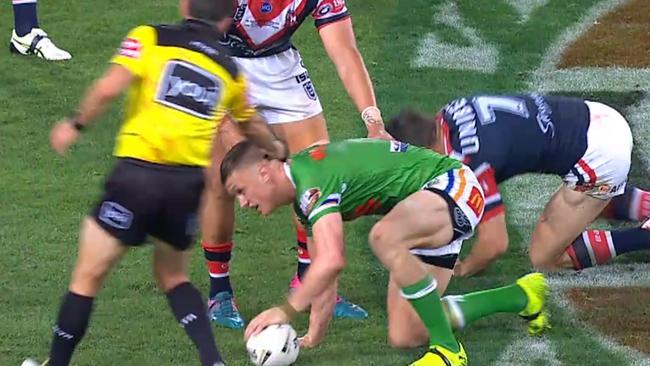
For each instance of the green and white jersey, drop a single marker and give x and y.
(360, 177)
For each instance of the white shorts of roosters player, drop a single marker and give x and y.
(602, 171)
(260, 41)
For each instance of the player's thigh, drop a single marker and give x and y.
(170, 265)
(405, 328)
(421, 220)
(303, 133)
(98, 253)
(565, 216)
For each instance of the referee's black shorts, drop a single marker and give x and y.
(142, 198)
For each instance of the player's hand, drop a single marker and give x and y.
(268, 317)
(63, 135)
(281, 151)
(378, 132)
(308, 341)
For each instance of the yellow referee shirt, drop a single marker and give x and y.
(185, 85)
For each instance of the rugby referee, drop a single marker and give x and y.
(181, 85)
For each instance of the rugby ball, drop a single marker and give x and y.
(276, 345)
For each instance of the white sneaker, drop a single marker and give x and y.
(646, 224)
(37, 42)
(30, 362)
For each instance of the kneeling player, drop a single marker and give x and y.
(587, 144)
(430, 204)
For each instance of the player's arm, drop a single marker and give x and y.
(252, 125)
(328, 263)
(340, 44)
(492, 239)
(126, 66)
(491, 243)
(321, 277)
(99, 96)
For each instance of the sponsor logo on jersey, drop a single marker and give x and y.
(308, 200)
(463, 115)
(131, 48)
(115, 215)
(476, 202)
(266, 7)
(189, 88)
(543, 114)
(460, 220)
(330, 6)
(397, 146)
(318, 152)
(367, 208)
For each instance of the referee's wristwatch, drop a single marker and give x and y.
(74, 121)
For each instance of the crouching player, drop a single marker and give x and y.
(588, 144)
(182, 85)
(430, 203)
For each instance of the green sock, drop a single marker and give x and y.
(507, 299)
(425, 300)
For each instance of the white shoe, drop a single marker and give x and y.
(37, 42)
(30, 362)
(646, 224)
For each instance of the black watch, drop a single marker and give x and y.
(77, 125)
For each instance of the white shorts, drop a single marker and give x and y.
(603, 169)
(279, 87)
(462, 187)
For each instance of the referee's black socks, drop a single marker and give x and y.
(70, 327)
(191, 313)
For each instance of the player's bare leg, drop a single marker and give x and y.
(565, 216)
(300, 135)
(170, 269)
(98, 253)
(422, 220)
(217, 225)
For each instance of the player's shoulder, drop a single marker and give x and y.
(198, 37)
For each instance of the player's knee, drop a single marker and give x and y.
(167, 281)
(87, 281)
(380, 237)
(378, 243)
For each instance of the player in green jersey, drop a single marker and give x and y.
(430, 203)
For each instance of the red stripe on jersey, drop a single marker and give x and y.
(599, 245)
(590, 172)
(446, 137)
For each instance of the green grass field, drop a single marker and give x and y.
(43, 197)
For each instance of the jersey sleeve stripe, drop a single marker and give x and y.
(330, 201)
(450, 181)
(321, 23)
(463, 184)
